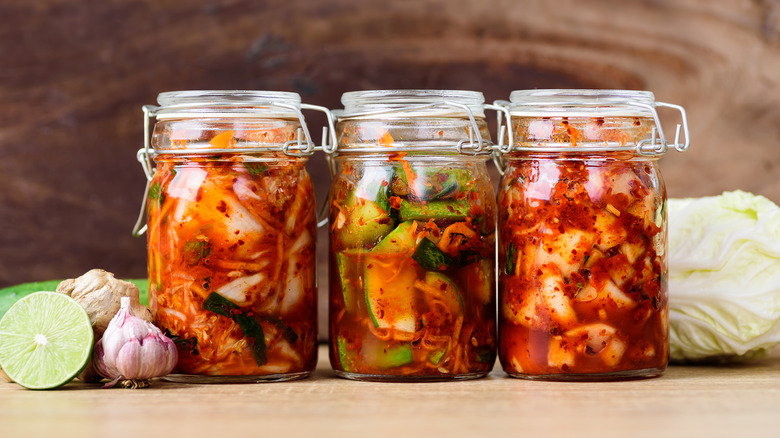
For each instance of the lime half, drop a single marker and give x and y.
(45, 340)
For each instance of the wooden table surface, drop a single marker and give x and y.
(711, 401)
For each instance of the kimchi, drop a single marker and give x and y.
(231, 250)
(411, 269)
(582, 238)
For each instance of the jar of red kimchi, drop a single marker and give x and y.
(231, 234)
(583, 236)
(412, 237)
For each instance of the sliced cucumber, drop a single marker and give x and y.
(443, 285)
(435, 356)
(373, 354)
(384, 355)
(373, 186)
(350, 278)
(389, 282)
(430, 257)
(431, 183)
(347, 357)
(401, 240)
(366, 224)
(449, 210)
(367, 211)
(478, 280)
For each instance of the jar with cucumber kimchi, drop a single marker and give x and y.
(231, 234)
(412, 237)
(583, 236)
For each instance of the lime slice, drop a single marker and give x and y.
(45, 340)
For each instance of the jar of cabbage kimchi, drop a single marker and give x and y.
(583, 236)
(412, 237)
(231, 234)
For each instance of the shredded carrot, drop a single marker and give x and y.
(386, 140)
(224, 140)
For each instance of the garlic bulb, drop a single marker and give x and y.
(133, 350)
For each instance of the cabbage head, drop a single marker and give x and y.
(724, 277)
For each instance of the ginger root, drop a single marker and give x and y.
(100, 293)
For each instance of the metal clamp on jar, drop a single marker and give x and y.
(583, 236)
(231, 233)
(412, 237)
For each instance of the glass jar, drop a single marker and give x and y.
(583, 236)
(231, 234)
(412, 238)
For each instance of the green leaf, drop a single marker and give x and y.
(155, 192)
(252, 329)
(12, 294)
(255, 169)
(255, 337)
(195, 251)
(511, 255)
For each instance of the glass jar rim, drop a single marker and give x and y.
(227, 103)
(581, 102)
(403, 103)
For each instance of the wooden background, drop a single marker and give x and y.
(74, 74)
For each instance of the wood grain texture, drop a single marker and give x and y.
(74, 74)
(712, 402)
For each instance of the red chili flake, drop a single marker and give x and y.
(222, 206)
(395, 202)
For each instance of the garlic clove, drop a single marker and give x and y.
(129, 360)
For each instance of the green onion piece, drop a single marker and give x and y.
(252, 329)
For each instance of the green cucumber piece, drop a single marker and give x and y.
(373, 186)
(384, 355)
(366, 224)
(448, 210)
(433, 183)
(485, 355)
(430, 257)
(347, 357)
(477, 278)
(401, 240)
(347, 263)
(436, 355)
(368, 211)
(373, 354)
(450, 292)
(390, 292)
(12, 294)
(511, 256)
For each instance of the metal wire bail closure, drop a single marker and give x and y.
(297, 148)
(655, 145)
(660, 145)
(473, 144)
